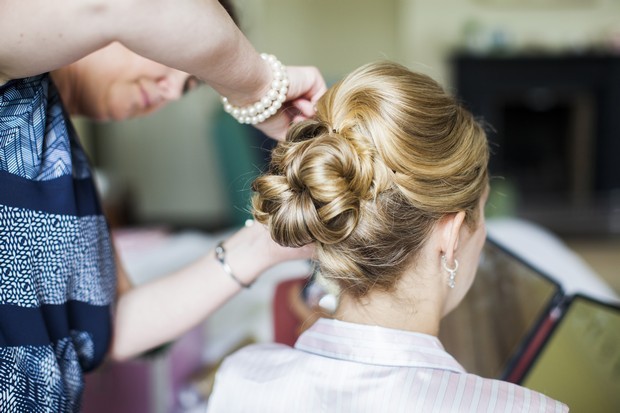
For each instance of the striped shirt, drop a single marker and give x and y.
(57, 273)
(343, 367)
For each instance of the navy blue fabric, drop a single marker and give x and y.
(24, 326)
(63, 195)
(57, 273)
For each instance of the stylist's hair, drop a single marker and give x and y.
(388, 154)
(230, 9)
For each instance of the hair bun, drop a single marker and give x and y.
(316, 186)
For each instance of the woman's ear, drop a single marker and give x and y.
(450, 230)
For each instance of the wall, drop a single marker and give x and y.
(433, 28)
(335, 35)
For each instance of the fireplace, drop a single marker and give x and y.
(554, 128)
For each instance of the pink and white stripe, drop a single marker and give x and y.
(344, 367)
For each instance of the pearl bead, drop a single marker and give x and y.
(270, 103)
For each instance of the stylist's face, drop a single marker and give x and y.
(115, 83)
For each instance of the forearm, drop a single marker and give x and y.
(160, 311)
(157, 312)
(196, 36)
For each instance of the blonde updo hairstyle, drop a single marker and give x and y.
(387, 155)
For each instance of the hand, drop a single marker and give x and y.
(274, 252)
(251, 251)
(305, 88)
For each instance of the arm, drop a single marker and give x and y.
(123, 283)
(157, 312)
(195, 36)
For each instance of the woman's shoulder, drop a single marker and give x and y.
(244, 369)
(258, 362)
(272, 362)
(509, 397)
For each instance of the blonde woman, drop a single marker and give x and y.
(389, 181)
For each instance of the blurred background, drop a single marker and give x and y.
(543, 74)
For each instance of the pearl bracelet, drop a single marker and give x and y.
(270, 103)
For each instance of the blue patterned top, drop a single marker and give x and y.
(57, 274)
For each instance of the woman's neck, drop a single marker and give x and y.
(409, 307)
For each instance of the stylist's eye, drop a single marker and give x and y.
(191, 83)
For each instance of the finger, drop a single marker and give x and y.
(277, 125)
(319, 90)
(299, 118)
(306, 82)
(305, 107)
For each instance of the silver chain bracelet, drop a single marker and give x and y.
(220, 254)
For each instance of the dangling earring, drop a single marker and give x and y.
(451, 271)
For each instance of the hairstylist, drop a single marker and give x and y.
(60, 309)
